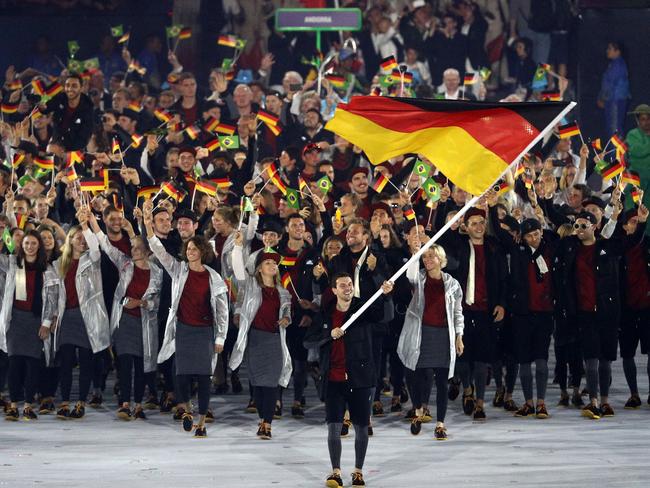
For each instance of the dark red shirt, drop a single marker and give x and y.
(30, 279)
(637, 285)
(480, 282)
(266, 317)
(194, 306)
(71, 297)
(219, 242)
(123, 244)
(586, 278)
(435, 313)
(137, 288)
(540, 294)
(189, 115)
(337, 353)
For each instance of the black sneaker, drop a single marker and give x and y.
(564, 400)
(63, 413)
(440, 434)
(479, 414)
(606, 410)
(454, 390)
(576, 401)
(266, 433)
(345, 427)
(187, 422)
(395, 405)
(468, 404)
(124, 413)
(200, 432)
(404, 395)
(541, 412)
(277, 413)
(237, 388)
(371, 431)
(46, 408)
(499, 395)
(297, 411)
(510, 406)
(151, 403)
(78, 412)
(525, 411)
(334, 481)
(12, 414)
(209, 416)
(166, 405)
(251, 408)
(96, 401)
(409, 415)
(591, 412)
(260, 429)
(357, 479)
(139, 414)
(633, 402)
(377, 409)
(29, 414)
(178, 414)
(416, 425)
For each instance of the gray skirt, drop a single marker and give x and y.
(73, 329)
(434, 347)
(263, 357)
(128, 336)
(22, 336)
(194, 349)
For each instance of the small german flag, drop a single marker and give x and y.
(229, 41)
(222, 182)
(408, 77)
(15, 85)
(389, 63)
(192, 132)
(212, 145)
(70, 173)
(211, 124)
(18, 158)
(271, 170)
(521, 169)
(276, 130)
(162, 115)
(9, 108)
(115, 147)
(409, 214)
(302, 184)
(614, 169)
(619, 144)
(185, 33)
(279, 184)
(288, 261)
(137, 67)
(569, 130)
(631, 177)
(380, 183)
(124, 38)
(46, 163)
(206, 187)
(21, 220)
(38, 88)
(376, 92)
(267, 117)
(74, 157)
(134, 106)
(636, 195)
(92, 184)
(225, 129)
(136, 140)
(396, 75)
(469, 79)
(169, 189)
(337, 81)
(54, 89)
(501, 187)
(286, 280)
(528, 181)
(597, 144)
(147, 191)
(551, 96)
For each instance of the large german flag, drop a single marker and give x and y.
(471, 143)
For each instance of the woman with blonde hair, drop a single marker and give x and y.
(263, 312)
(83, 329)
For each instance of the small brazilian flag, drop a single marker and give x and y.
(421, 168)
(173, 31)
(117, 31)
(74, 65)
(229, 142)
(432, 189)
(324, 184)
(8, 240)
(293, 198)
(73, 48)
(92, 63)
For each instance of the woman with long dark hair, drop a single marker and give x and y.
(264, 310)
(197, 322)
(29, 307)
(83, 330)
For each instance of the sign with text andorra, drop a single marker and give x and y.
(318, 19)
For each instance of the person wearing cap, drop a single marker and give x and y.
(311, 154)
(263, 313)
(197, 323)
(482, 273)
(635, 318)
(588, 284)
(638, 143)
(134, 317)
(346, 367)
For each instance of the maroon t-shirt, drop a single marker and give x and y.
(337, 353)
(637, 284)
(480, 282)
(266, 318)
(194, 306)
(586, 278)
(123, 244)
(30, 281)
(540, 294)
(71, 298)
(435, 313)
(189, 115)
(137, 288)
(219, 241)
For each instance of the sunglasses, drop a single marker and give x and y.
(581, 226)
